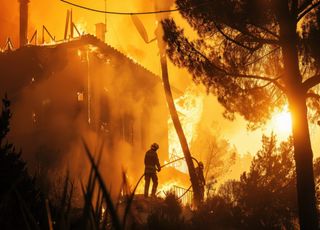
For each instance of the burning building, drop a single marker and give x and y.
(64, 91)
(82, 87)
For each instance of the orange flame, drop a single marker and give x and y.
(189, 107)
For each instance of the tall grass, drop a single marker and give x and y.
(99, 211)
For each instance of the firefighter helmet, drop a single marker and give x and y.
(154, 146)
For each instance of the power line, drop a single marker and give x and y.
(152, 12)
(119, 13)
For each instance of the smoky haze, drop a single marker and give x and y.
(9, 21)
(61, 75)
(74, 91)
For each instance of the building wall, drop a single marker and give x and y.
(62, 93)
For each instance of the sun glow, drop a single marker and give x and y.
(281, 123)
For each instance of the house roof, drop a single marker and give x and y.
(25, 61)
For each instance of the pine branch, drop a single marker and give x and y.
(304, 5)
(313, 95)
(258, 39)
(266, 30)
(257, 77)
(233, 40)
(224, 72)
(311, 82)
(307, 10)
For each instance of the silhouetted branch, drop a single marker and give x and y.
(266, 30)
(233, 40)
(304, 5)
(313, 95)
(311, 82)
(307, 10)
(224, 72)
(264, 40)
(255, 38)
(260, 87)
(258, 39)
(263, 56)
(206, 59)
(250, 76)
(257, 77)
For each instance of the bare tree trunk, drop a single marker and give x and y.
(175, 118)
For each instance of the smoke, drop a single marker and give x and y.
(45, 101)
(51, 110)
(9, 22)
(119, 28)
(60, 78)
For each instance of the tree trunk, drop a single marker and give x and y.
(304, 165)
(175, 118)
(303, 155)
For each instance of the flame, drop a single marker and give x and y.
(171, 186)
(92, 48)
(49, 43)
(165, 188)
(182, 193)
(81, 27)
(132, 58)
(79, 52)
(189, 107)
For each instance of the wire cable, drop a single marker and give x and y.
(119, 13)
(132, 13)
(152, 12)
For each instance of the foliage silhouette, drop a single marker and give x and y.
(263, 198)
(267, 191)
(257, 56)
(167, 215)
(21, 205)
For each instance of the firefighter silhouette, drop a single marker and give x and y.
(152, 165)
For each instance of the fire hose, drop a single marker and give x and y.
(135, 188)
(164, 165)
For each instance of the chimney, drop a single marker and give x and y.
(101, 31)
(23, 22)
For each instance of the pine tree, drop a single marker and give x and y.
(255, 56)
(19, 198)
